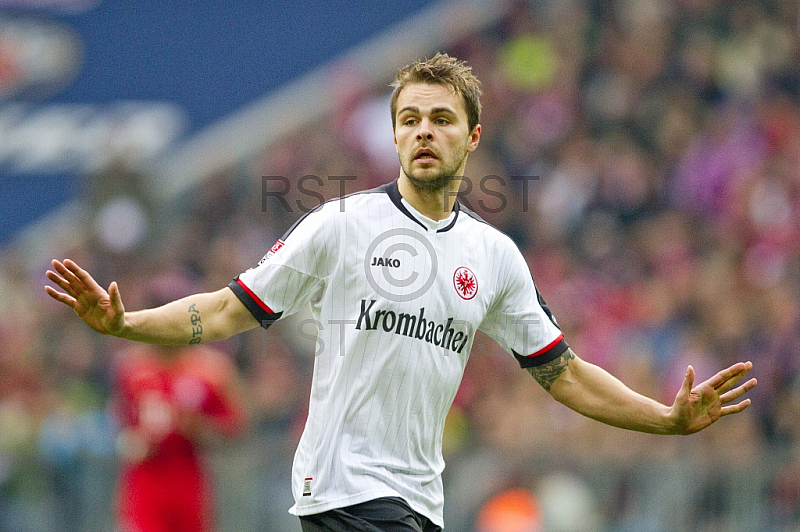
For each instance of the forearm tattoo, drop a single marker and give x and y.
(547, 373)
(197, 326)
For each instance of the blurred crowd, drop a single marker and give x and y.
(645, 157)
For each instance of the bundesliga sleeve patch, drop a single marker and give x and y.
(274, 249)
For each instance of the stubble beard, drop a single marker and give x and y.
(435, 184)
(438, 182)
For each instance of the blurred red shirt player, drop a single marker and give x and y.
(169, 400)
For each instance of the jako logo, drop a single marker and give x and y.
(381, 261)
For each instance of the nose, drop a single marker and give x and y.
(425, 131)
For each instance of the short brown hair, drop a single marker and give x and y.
(443, 70)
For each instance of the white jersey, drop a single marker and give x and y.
(397, 298)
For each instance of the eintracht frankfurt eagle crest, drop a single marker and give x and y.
(465, 283)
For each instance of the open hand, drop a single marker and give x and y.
(698, 407)
(102, 310)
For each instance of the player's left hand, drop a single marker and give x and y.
(697, 407)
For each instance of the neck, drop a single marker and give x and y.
(436, 204)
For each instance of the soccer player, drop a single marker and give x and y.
(169, 401)
(399, 279)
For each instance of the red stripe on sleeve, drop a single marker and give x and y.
(255, 297)
(547, 348)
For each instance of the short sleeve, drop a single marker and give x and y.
(293, 271)
(519, 320)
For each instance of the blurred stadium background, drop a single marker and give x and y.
(663, 228)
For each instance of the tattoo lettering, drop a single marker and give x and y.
(197, 326)
(547, 373)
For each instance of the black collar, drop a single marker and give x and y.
(393, 192)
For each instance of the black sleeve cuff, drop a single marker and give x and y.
(257, 308)
(542, 358)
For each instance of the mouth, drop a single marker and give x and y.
(425, 156)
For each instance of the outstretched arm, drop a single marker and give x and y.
(595, 393)
(195, 319)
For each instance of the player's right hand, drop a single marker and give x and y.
(102, 310)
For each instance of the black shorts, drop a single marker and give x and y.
(386, 514)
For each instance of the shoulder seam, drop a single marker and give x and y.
(376, 190)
